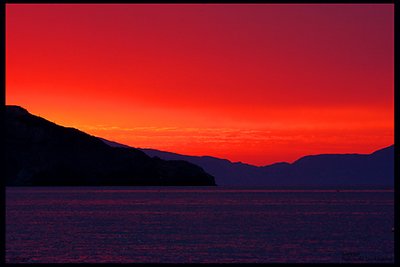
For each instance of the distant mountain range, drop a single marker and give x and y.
(39, 152)
(376, 169)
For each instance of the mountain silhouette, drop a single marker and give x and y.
(39, 152)
(375, 169)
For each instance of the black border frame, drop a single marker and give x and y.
(396, 99)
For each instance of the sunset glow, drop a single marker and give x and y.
(256, 83)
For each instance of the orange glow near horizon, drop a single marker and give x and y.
(258, 83)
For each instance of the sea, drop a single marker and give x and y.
(198, 225)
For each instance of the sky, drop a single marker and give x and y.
(256, 83)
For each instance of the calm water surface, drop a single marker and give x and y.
(202, 224)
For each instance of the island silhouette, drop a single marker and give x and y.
(42, 153)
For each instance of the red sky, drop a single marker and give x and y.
(252, 83)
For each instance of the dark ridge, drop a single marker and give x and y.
(39, 152)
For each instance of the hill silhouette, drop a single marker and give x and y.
(39, 152)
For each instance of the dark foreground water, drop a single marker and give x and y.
(173, 225)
